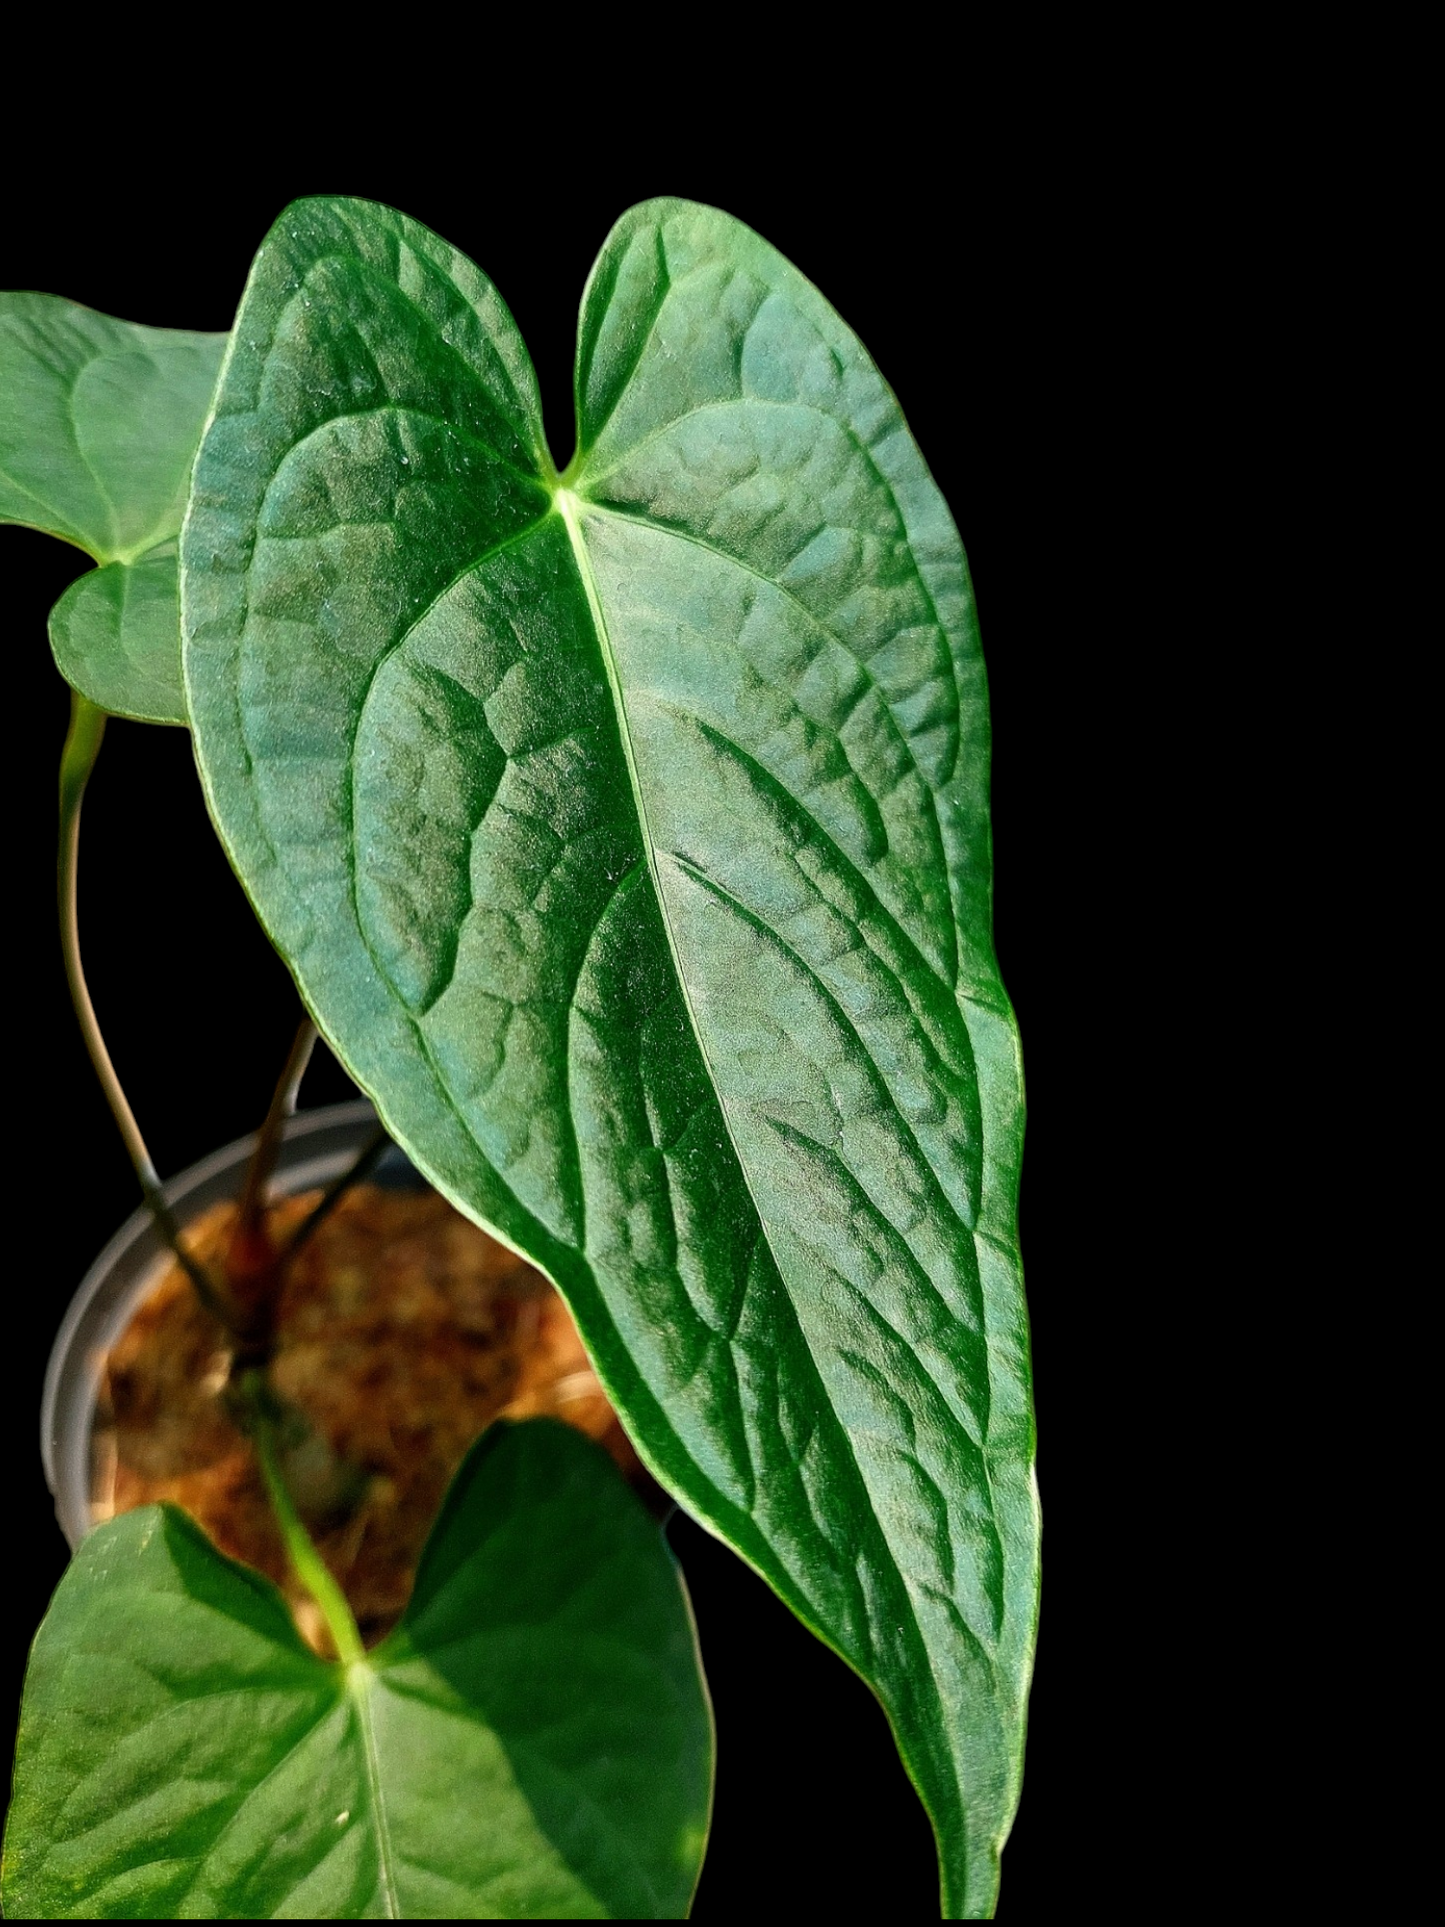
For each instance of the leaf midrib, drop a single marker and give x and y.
(86, 463)
(812, 617)
(569, 505)
(361, 1682)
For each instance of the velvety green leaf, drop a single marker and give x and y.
(99, 421)
(532, 1743)
(116, 637)
(628, 837)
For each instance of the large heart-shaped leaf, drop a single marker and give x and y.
(628, 836)
(99, 422)
(532, 1743)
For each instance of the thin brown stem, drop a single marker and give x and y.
(268, 1141)
(77, 760)
(254, 1264)
(365, 1158)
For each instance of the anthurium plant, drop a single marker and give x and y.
(624, 826)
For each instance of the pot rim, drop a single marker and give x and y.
(316, 1145)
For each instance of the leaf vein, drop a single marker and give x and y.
(855, 876)
(645, 337)
(361, 1697)
(791, 596)
(776, 937)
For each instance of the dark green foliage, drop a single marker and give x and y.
(532, 1743)
(627, 834)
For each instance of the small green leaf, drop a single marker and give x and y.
(533, 1742)
(628, 837)
(99, 422)
(116, 637)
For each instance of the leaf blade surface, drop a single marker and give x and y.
(533, 1743)
(652, 902)
(99, 424)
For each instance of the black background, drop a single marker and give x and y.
(1012, 306)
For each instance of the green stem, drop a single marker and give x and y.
(310, 1568)
(77, 760)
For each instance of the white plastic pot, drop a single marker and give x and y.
(316, 1147)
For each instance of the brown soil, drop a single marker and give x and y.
(403, 1332)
